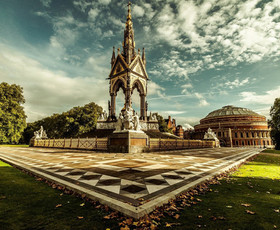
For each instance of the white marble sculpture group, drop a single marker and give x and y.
(128, 121)
(210, 135)
(40, 134)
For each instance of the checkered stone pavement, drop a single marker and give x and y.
(131, 183)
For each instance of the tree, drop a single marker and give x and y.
(162, 124)
(12, 115)
(73, 123)
(275, 122)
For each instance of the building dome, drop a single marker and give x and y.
(230, 110)
(236, 126)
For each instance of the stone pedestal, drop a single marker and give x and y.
(128, 141)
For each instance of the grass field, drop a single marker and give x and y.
(14, 146)
(272, 151)
(248, 199)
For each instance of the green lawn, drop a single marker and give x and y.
(248, 199)
(255, 185)
(14, 146)
(271, 151)
(26, 203)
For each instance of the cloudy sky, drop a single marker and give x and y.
(201, 55)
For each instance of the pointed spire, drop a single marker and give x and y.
(138, 51)
(128, 43)
(144, 57)
(113, 56)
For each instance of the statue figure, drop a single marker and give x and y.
(210, 135)
(154, 117)
(105, 115)
(128, 119)
(40, 134)
(119, 123)
(137, 125)
(101, 116)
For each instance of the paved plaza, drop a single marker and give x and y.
(133, 184)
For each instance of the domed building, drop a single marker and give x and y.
(235, 127)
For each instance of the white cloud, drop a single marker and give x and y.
(92, 14)
(187, 121)
(236, 83)
(174, 112)
(187, 126)
(46, 3)
(47, 91)
(104, 2)
(267, 98)
(202, 101)
(138, 11)
(155, 89)
(235, 31)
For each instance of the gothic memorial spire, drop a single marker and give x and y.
(128, 43)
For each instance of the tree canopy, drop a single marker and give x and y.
(275, 122)
(73, 123)
(162, 124)
(12, 115)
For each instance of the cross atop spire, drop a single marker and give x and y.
(129, 10)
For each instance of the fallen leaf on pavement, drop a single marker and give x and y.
(250, 212)
(59, 205)
(213, 218)
(246, 205)
(80, 217)
(177, 216)
(82, 204)
(276, 210)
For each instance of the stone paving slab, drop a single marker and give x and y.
(133, 184)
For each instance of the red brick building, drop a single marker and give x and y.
(176, 130)
(236, 127)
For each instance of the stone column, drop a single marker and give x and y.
(128, 98)
(143, 107)
(113, 105)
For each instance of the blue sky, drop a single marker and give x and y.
(201, 55)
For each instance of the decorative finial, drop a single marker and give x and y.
(129, 10)
(118, 50)
(138, 51)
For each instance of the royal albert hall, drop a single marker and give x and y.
(236, 127)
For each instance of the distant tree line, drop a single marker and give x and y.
(275, 123)
(12, 116)
(73, 123)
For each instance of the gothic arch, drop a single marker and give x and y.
(139, 87)
(117, 85)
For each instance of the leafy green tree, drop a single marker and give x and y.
(12, 116)
(73, 123)
(162, 124)
(275, 122)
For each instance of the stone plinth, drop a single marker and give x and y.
(128, 141)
